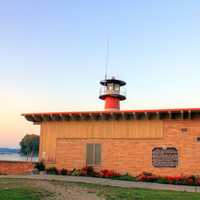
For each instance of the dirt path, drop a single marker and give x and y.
(67, 191)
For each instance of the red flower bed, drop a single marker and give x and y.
(89, 171)
(178, 180)
(173, 179)
(145, 176)
(108, 173)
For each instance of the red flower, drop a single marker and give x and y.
(108, 173)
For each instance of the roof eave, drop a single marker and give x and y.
(114, 115)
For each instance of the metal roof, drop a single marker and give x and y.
(177, 113)
(112, 80)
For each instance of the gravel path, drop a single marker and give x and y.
(101, 181)
(53, 190)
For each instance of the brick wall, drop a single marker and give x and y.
(15, 167)
(135, 155)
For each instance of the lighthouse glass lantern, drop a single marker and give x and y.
(111, 93)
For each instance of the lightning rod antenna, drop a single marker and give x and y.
(107, 59)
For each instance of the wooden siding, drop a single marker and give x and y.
(51, 131)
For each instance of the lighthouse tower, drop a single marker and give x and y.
(112, 93)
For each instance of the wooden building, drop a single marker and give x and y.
(164, 141)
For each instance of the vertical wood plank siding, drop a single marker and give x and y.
(50, 131)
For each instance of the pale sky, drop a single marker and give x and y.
(52, 56)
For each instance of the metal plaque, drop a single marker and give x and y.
(165, 157)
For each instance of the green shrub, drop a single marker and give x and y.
(90, 171)
(76, 172)
(40, 166)
(162, 180)
(52, 170)
(63, 172)
(125, 177)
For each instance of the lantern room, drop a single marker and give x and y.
(112, 93)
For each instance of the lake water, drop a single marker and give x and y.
(16, 157)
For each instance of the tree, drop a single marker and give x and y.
(30, 145)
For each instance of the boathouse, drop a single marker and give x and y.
(161, 141)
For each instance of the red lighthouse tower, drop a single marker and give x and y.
(111, 93)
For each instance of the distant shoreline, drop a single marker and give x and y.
(8, 150)
(17, 157)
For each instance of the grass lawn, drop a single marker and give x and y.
(13, 189)
(117, 193)
(19, 194)
(142, 194)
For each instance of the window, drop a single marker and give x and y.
(110, 86)
(117, 87)
(93, 154)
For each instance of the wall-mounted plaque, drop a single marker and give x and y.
(165, 157)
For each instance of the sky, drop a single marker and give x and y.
(52, 56)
